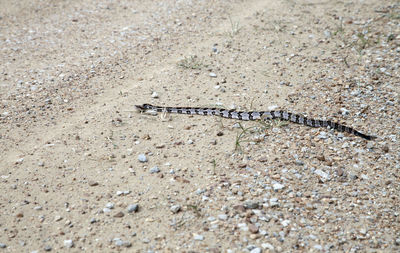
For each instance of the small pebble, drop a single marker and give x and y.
(256, 250)
(68, 243)
(213, 75)
(154, 94)
(142, 158)
(121, 243)
(47, 248)
(119, 193)
(253, 229)
(119, 215)
(198, 237)
(155, 169)
(110, 205)
(267, 246)
(133, 208)
(322, 174)
(318, 247)
(223, 217)
(285, 223)
(93, 183)
(2, 245)
(175, 208)
(273, 202)
(278, 186)
(58, 218)
(243, 226)
(251, 205)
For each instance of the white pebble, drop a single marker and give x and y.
(68, 243)
(155, 169)
(267, 246)
(223, 217)
(175, 208)
(278, 186)
(285, 223)
(256, 250)
(142, 158)
(322, 174)
(110, 205)
(133, 208)
(198, 237)
(154, 94)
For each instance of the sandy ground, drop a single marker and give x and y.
(71, 141)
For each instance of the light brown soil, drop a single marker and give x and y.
(72, 71)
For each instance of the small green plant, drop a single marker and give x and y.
(195, 208)
(214, 164)
(235, 27)
(363, 42)
(192, 62)
(246, 134)
(339, 29)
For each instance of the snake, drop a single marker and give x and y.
(256, 115)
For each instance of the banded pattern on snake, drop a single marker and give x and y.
(254, 115)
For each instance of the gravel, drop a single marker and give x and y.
(299, 186)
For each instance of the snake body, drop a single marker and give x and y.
(255, 115)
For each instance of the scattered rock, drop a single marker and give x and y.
(267, 246)
(155, 169)
(243, 226)
(222, 216)
(142, 158)
(68, 243)
(256, 250)
(154, 94)
(47, 248)
(285, 223)
(58, 218)
(93, 183)
(213, 75)
(175, 208)
(278, 186)
(198, 237)
(273, 202)
(324, 176)
(240, 208)
(251, 205)
(110, 205)
(133, 208)
(119, 215)
(2, 245)
(253, 229)
(119, 193)
(121, 243)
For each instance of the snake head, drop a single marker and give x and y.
(143, 107)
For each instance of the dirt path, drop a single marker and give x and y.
(71, 142)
